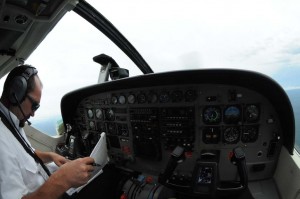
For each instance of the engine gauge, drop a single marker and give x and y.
(122, 99)
(190, 95)
(152, 97)
(211, 115)
(99, 114)
(164, 97)
(90, 113)
(250, 134)
(177, 96)
(252, 113)
(114, 100)
(92, 125)
(141, 98)
(110, 115)
(211, 135)
(131, 99)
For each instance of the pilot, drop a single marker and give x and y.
(24, 171)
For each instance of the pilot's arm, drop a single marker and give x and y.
(71, 174)
(47, 157)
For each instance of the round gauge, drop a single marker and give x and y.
(90, 113)
(92, 125)
(152, 97)
(250, 134)
(110, 115)
(164, 97)
(232, 114)
(231, 135)
(122, 99)
(190, 95)
(177, 96)
(212, 115)
(211, 135)
(252, 113)
(111, 128)
(99, 114)
(114, 100)
(141, 98)
(131, 99)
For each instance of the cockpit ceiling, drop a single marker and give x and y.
(37, 7)
(17, 17)
(23, 26)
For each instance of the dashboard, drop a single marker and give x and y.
(183, 128)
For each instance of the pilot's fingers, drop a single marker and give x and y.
(88, 160)
(90, 168)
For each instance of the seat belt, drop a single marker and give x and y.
(25, 145)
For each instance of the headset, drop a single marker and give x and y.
(18, 85)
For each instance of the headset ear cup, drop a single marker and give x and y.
(18, 87)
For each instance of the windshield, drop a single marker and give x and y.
(262, 36)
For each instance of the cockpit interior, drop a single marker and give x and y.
(184, 134)
(206, 133)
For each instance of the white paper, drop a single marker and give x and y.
(100, 156)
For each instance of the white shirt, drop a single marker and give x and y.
(19, 173)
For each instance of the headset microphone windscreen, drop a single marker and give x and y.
(28, 122)
(22, 123)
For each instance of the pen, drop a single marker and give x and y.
(96, 165)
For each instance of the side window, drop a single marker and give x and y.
(289, 80)
(64, 61)
(294, 95)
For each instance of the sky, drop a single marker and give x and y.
(260, 35)
(212, 33)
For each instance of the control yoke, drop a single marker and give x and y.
(238, 159)
(177, 156)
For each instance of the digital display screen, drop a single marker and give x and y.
(205, 175)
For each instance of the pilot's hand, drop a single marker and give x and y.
(59, 160)
(76, 172)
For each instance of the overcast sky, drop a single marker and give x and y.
(262, 35)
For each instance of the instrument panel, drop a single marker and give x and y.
(145, 121)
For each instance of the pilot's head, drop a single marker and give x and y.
(22, 92)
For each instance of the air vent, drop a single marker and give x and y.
(21, 19)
